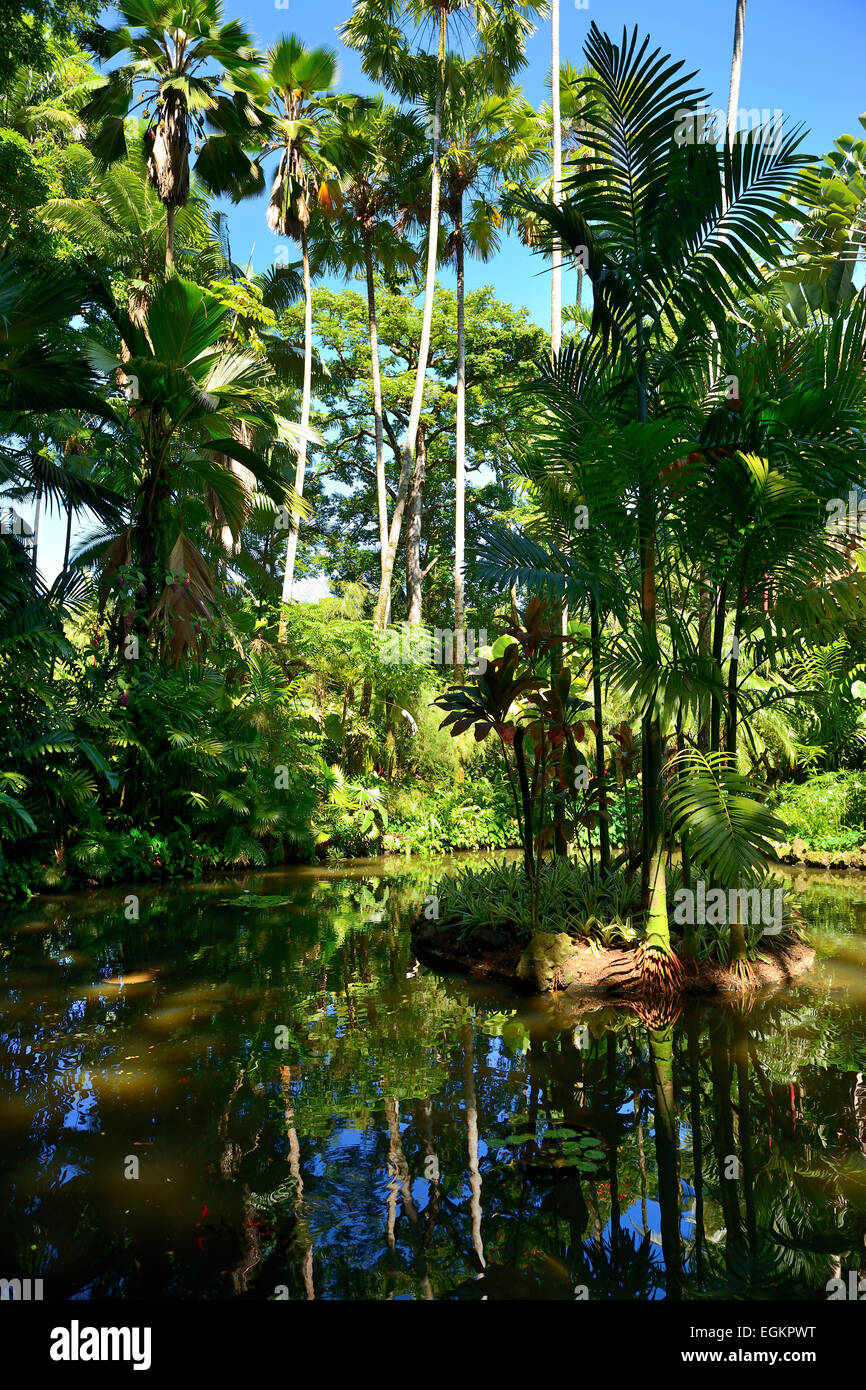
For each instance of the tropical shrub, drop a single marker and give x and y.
(828, 810)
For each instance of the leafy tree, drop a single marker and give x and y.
(501, 346)
(29, 31)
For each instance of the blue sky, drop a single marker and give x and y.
(804, 59)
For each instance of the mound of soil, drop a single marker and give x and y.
(555, 961)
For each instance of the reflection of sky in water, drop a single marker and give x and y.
(84, 1112)
(310, 1165)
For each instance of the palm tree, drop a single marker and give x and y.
(736, 70)
(488, 140)
(500, 28)
(556, 124)
(300, 83)
(178, 435)
(40, 371)
(673, 234)
(384, 154)
(46, 103)
(183, 105)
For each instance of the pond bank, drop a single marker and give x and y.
(555, 961)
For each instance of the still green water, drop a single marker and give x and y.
(254, 1091)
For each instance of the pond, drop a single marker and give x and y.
(254, 1091)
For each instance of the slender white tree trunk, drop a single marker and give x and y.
(301, 466)
(381, 491)
(424, 345)
(414, 572)
(460, 450)
(556, 280)
(736, 70)
(706, 598)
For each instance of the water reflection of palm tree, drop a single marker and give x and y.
(295, 1169)
(694, 1062)
(614, 1264)
(724, 1144)
(472, 1140)
(740, 1048)
(661, 1041)
(400, 1182)
(424, 1121)
(637, 1104)
(759, 1258)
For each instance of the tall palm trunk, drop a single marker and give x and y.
(381, 490)
(460, 452)
(424, 345)
(656, 954)
(36, 520)
(414, 573)
(737, 935)
(738, 939)
(653, 886)
(168, 163)
(556, 275)
(67, 545)
(378, 419)
(597, 711)
(705, 629)
(736, 69)
(301, 467)
(556, 280)
(705, 617)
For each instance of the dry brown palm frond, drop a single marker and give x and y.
(168, 153)
(186, 604)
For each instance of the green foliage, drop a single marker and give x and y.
(729, 831)
(154, 384)
(341, 536)
(828, 810)
(478, 814)
(570, 898)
